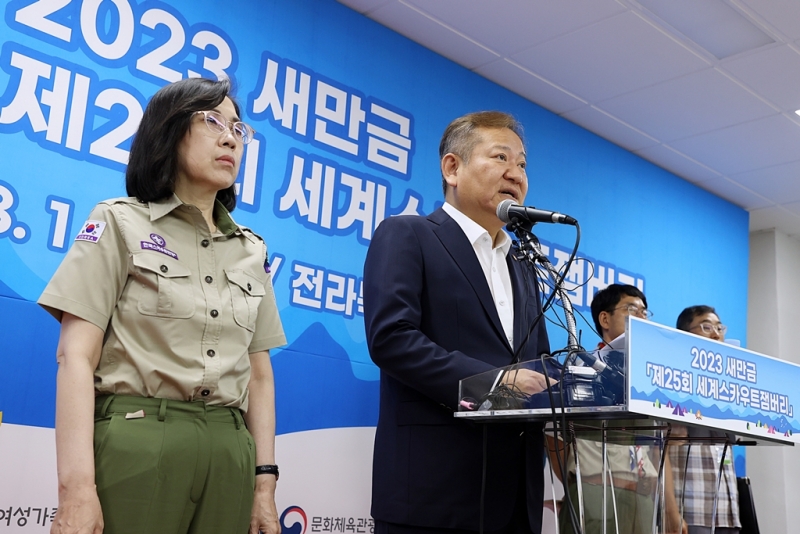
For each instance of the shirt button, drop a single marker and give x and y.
(204, 242)
(214, 313)
(205, 393)
(164, 268)
(209, 279)
(211, 353)
(249, 288)
(502, 303)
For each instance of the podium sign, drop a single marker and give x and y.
(678, 376)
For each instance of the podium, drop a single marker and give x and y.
(658, 388)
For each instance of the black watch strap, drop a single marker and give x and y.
(267, 470)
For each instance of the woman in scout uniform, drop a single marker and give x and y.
(165, 409)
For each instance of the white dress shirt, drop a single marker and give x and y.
(493, 263)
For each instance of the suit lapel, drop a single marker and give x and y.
(460, 249)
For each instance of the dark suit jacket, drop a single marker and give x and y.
(431, 321)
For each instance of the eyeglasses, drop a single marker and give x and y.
(707, 328)
(633, 309)
(219, 124)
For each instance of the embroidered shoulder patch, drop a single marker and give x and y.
(91, 231)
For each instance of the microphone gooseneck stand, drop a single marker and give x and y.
(530, 250)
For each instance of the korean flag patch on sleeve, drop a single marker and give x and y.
(91, 231)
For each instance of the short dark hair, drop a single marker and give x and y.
(688, 315)
(153, 163)
(607, 299)
(460, 137)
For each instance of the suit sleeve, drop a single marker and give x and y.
(394, 289)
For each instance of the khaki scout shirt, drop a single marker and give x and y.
(181, 308)
(622, 460)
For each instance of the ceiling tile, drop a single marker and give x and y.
(779, 183)
(525, 84)
(696, 103)
(612, 57)
(714, 25)
(677, 163)
(774, 73)
(793, 207)
(783, 15)
(744, 147)
(775, 217)
(515, 25)
(733, 192)
(609, 128)
(429, 33)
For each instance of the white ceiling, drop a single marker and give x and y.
(620, 70)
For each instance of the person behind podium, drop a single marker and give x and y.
(633, 473)
(700, 482)
(443, 301)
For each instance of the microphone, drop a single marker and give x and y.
(602, 369)
(509, 209)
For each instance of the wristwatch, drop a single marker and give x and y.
(268, 470)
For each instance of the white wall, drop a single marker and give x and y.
(773, 328)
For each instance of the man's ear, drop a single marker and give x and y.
(450, 167)
(604, 318)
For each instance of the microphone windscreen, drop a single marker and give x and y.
(503, 208)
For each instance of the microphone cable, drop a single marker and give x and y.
(531, 271)
(517, 228)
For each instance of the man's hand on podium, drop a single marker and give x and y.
(527, 381)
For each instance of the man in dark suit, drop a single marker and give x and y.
(443, 301)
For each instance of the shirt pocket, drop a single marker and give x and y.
(246, 293)
(165, 287)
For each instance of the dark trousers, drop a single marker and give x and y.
(519, 523)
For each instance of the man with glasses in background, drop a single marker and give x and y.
(633, 473)
(701, 467)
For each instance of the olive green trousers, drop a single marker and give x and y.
(172, 467)
(634, 513)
